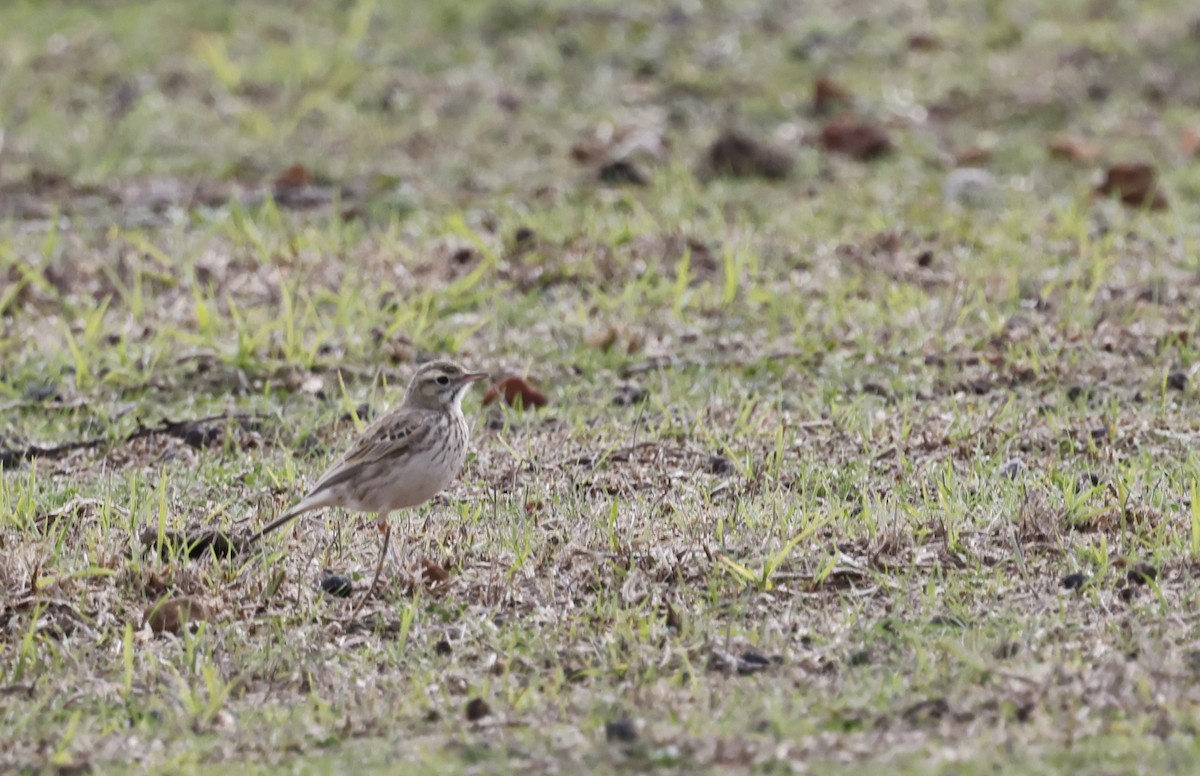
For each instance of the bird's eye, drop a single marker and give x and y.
(443, 380)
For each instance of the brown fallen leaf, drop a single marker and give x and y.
(515, 390)
(615, 335)
(433, 572)
(1189, 141)
(1135, 183)
(673, 618)
(588, 151)
(295, 177)
(172, 615)
(1073, 148)
(296, 187)
(47, 181)
(605, 338)
(740, 156)
(826, 94)
(924, 41)
(972, 157)
(855, 138)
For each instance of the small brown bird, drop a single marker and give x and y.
(401, 460)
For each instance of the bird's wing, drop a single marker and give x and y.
(389, 437)
(392, 436)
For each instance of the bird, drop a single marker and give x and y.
(400, 461)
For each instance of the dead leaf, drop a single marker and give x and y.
(924, 41)
(193, 544)
(826, 94)
(46, 181)
(747, 663)
(615, 335)
(674, 620)
(855, 138)
(588, 151)
(1073, 148)
(604, 339)
(1135, 183)
(926, 711)
(75, 509)
(515, 390)
(433, 572)
(172, 615)
(295, 177)
(741, 156)
(972, 157)
(1189, 142)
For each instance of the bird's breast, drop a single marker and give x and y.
(413, 481)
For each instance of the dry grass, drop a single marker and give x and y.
(821, 450)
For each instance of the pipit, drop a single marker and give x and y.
(401, 460)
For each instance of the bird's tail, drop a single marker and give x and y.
(306, 505)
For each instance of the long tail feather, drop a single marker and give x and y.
(308, 504)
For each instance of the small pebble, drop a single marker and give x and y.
(970, 186)
(629, 394)
(463, 256)
(1011, 468)
(199, 438)
(1142, 574)
(741, 156)
(1074, 581)
(946, 621)
(719, 464)
(620, 731)
(337, 585)
(41, 392)
(622, 172)
(751, 662)
(1077, 392)
(861, 657)
(477, 709)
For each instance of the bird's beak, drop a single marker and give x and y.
(474, 377)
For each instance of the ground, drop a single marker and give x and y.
(865, 331)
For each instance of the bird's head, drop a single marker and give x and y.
(440, 385)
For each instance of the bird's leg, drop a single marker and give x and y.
(383, 553)
(400, 558)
